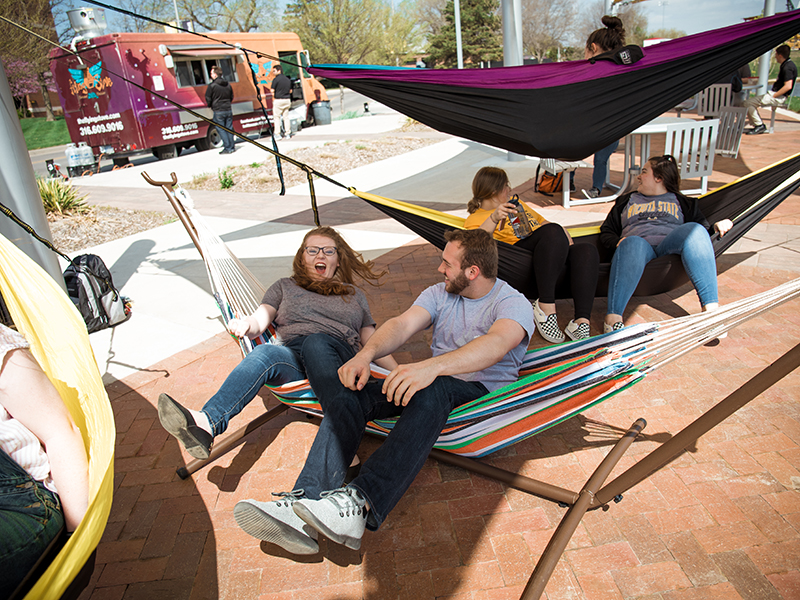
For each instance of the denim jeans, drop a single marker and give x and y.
(391, 469)
(30, 517)
(225, 118)
(266, 363)
(600, 170)
(690, 241)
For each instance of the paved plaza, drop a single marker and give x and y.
(722, 521)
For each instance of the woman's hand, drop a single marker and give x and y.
(723, 227)
(239, 327)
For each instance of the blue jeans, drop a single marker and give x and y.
(266, 363)
(30, 518)
(690, 241)
(391, 469)
(225, 118)
(601, 165)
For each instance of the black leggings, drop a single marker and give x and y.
(554, 258)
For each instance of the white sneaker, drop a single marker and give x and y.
(277, 523)
(615, 327)
(340, 515)
(577, 331)
(547, 325)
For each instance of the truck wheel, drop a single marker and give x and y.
(212, 140)
(165, 152)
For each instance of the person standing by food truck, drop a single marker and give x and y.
(219, 96)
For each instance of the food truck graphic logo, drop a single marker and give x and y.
(89, 83)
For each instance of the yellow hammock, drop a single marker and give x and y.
(48, 319)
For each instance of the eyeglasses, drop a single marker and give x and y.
(326, 250)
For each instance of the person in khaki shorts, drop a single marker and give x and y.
(781, 90)
(281, 102)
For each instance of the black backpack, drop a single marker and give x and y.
(91, 288)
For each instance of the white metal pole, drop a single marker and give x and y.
(763, 62)
(457, 15)
(512, 43)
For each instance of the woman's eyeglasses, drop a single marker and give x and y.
(326, 250)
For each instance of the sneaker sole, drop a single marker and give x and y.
(174, 421)
(307, 516)
(259, 524)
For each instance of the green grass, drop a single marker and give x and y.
(40, 133)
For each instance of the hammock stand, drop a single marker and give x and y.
(48, 319)
(679, 337)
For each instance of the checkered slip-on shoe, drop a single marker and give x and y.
(547, 325)
(577, 331)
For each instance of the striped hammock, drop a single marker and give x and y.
(555, 383)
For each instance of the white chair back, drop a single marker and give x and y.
(731, 125)
(713, 99)
(693, 145)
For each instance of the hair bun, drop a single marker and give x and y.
(611, 22)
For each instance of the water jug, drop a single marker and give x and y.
(73, 160)
(520, 222)
(86, 155)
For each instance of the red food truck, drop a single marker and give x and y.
(118, 119)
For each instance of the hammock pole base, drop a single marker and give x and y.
(555, 547)
(231, 441)
(519, 482)
(668, 451)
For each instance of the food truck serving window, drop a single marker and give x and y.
(196, 71)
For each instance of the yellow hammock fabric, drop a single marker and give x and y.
(48, 319)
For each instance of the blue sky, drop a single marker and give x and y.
(694, 16)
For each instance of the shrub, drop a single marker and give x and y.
(225, 179)
(61, 198)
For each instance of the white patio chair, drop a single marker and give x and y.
(693, 145)
(731, 125)
(553, 166)
(713, 99)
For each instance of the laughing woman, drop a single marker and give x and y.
(319, 297)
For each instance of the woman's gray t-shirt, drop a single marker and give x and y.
(651, 217)
(301, 312)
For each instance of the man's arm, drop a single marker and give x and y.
(481, 353)
(784, 91)
(354, 374)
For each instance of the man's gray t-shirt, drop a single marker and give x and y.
(301, 312)
(458, 320)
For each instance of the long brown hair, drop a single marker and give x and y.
(351, 263)
(611, 37)
(488, 182)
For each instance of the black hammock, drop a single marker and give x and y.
(745, 201)
(565, 110)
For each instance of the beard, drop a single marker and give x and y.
(457, 285)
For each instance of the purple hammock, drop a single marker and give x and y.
(565, 110)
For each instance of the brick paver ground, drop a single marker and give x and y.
(720, 522)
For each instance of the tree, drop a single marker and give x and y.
(18, 45)
(231, 15)
(672, 34)
(431, 17)
(402, 36)
(546, 24)
(339, 31)
(480, 35)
